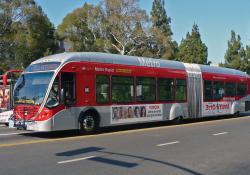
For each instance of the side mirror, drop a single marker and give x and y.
(52, 103)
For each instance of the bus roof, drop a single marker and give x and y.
(222, 70)
(110, 58)
(130, 60)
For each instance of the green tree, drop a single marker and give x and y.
(83, 29)
(192, 49)
(235, 52)
(162, 45)
(9, 11)
(140, 45)
(27, 32)
(245, 63)
(122, 20)
(160, 19)
(34, 37)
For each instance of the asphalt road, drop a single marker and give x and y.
(211, 147)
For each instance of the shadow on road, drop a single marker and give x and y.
(103, 158)
(113, 129)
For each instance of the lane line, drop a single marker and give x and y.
(75, 160)
(169, 143)
(221, 133)
(119, 132)
(15, 133)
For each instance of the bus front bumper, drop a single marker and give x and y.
(30, 125)
(19, 124)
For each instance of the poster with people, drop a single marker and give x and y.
(134, 113)
(4, 97)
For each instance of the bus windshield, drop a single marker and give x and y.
(31, 88)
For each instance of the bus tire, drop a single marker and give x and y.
(7, 124)
(88, 123)
(177, 120)
(237, 114)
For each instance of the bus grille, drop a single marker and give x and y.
(25, 112)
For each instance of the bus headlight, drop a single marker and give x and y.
(45, 114)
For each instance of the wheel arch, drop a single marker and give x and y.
(235, 107)
(176, 111)
(89, 111)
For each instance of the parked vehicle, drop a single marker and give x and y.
(7, 82)
(5, 116)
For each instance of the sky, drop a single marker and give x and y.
(215, 18)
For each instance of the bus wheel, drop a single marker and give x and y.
(6, 124)
(88, 124)
(237, 114)
(177, 120)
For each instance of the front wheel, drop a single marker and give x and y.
(88, 124)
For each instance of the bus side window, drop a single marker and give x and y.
(230, 89)
(208, 90)
(68, 84)
(241, 89)
(122, 89)
(145, 89)
(165, 89)
(102, 89)
(218, 90)
(180, 93)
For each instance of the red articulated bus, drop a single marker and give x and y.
(90, 90)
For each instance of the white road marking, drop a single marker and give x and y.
(221, 133)
(75, 160)
(15, 133)
(169, 143)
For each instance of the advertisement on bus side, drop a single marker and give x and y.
(216, 108)
(135, 113)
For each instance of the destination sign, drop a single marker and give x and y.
(47, 66)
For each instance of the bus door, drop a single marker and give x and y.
(68, 88)
(66, 118)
